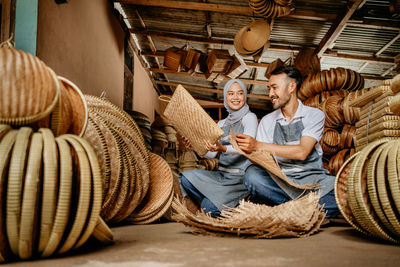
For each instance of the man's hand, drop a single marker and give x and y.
(213, 148)
(246, 143)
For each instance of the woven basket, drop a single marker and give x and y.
(29, 89)
(332, 107)
(330, 141)
(191, 121)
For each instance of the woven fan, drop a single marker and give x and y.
(268, 162)
(191, 121)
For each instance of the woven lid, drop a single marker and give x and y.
(25, 82)
(6, 144)
(64, 197)
(28, 228)
(191, 121)
(79, 107)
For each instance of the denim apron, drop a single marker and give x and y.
(223, 187)
(308, 171)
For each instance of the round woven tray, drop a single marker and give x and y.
(161, 185)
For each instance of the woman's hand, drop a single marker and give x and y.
(246, 143)
(218, 147)
(187, 143)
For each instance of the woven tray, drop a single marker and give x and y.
(191, 121)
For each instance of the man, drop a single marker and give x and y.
(292, 133)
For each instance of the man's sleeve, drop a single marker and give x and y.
(264, 131)
(314, 124)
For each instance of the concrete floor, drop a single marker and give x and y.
(169, 244)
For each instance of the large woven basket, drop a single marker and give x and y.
(191, 121)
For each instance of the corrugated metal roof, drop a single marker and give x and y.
(371, 28)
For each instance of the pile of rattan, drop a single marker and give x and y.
(295, 218)
(272, 8)
(123, 156)
(50, 196)
(379, 116)
(367, 190)
(332, 91)
(50, 187)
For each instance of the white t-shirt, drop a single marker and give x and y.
(249, 122)
(313, 121)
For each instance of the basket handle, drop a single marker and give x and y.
(165, 98)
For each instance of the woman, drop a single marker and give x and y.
(223, 187)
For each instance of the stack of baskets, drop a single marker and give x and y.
(124, 158)
(378, 116)
(367, 190)
(144, 124)
(331, 91)
(252, 40)
(50, 193)
(187, 161)
(272, 8)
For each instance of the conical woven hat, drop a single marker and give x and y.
(191, 121)
(256, 35)
(29, 90)
(79, 107)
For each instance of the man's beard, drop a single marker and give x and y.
(278, 105)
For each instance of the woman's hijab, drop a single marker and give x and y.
(235, 115)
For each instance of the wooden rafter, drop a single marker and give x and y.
(386, 46)
(337, 27)
(232, 9)
(200, 75)
(209, 90)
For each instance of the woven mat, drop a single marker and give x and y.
(268, 162)
(295, 218)
(191, 121)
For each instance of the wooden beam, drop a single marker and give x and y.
(232, 9)
(209, 90)
(7, 19)
(331, 54)
(200, 75)
(337, 27)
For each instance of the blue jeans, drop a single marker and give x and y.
(205, 204)
(260, 184)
